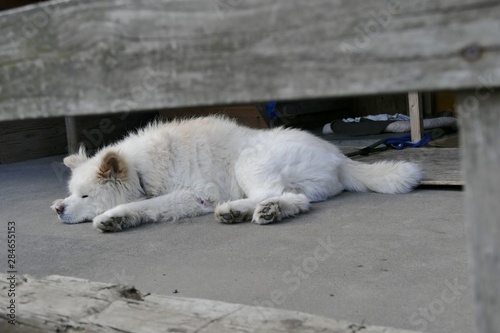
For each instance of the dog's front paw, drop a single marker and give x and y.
(106, 223)
(267, 213)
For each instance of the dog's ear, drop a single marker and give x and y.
(112, 167)
(72, 161)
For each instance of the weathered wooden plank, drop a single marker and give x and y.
(416, 116)
(63, 304)
(440, 166)
(480, 122)
(95, 56)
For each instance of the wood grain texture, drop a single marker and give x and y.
(95, 56)
(480, 121)
(64, 304)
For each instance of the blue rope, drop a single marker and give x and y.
(270, 107)
(404, 141)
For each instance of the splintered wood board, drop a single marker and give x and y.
(66, 58)
(441, 166)
(66, 304)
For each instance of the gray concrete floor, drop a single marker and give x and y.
(388, 260)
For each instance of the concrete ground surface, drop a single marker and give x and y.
(385, 260)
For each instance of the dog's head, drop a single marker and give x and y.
(96, 185)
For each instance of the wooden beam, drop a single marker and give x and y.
(94, 56)
(64, 304)
(416, 116)
(480, 124)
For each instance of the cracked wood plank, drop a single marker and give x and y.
(66, 304)
(88, 57)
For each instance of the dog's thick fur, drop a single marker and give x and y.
(192, 167)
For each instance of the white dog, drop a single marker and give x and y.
(168, 171)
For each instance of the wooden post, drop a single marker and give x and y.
(416, 117)
(71, 134)
(480, 125)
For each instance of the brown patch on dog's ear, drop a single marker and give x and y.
(72, 161)
(113, 167)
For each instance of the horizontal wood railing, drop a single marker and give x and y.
(89, 57)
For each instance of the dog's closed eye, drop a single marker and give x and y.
(84, 196)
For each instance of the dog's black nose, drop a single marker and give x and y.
(59, 208)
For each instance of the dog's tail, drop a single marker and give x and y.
(383, 177)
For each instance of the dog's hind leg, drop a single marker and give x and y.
(235, 211)
(276, 208)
